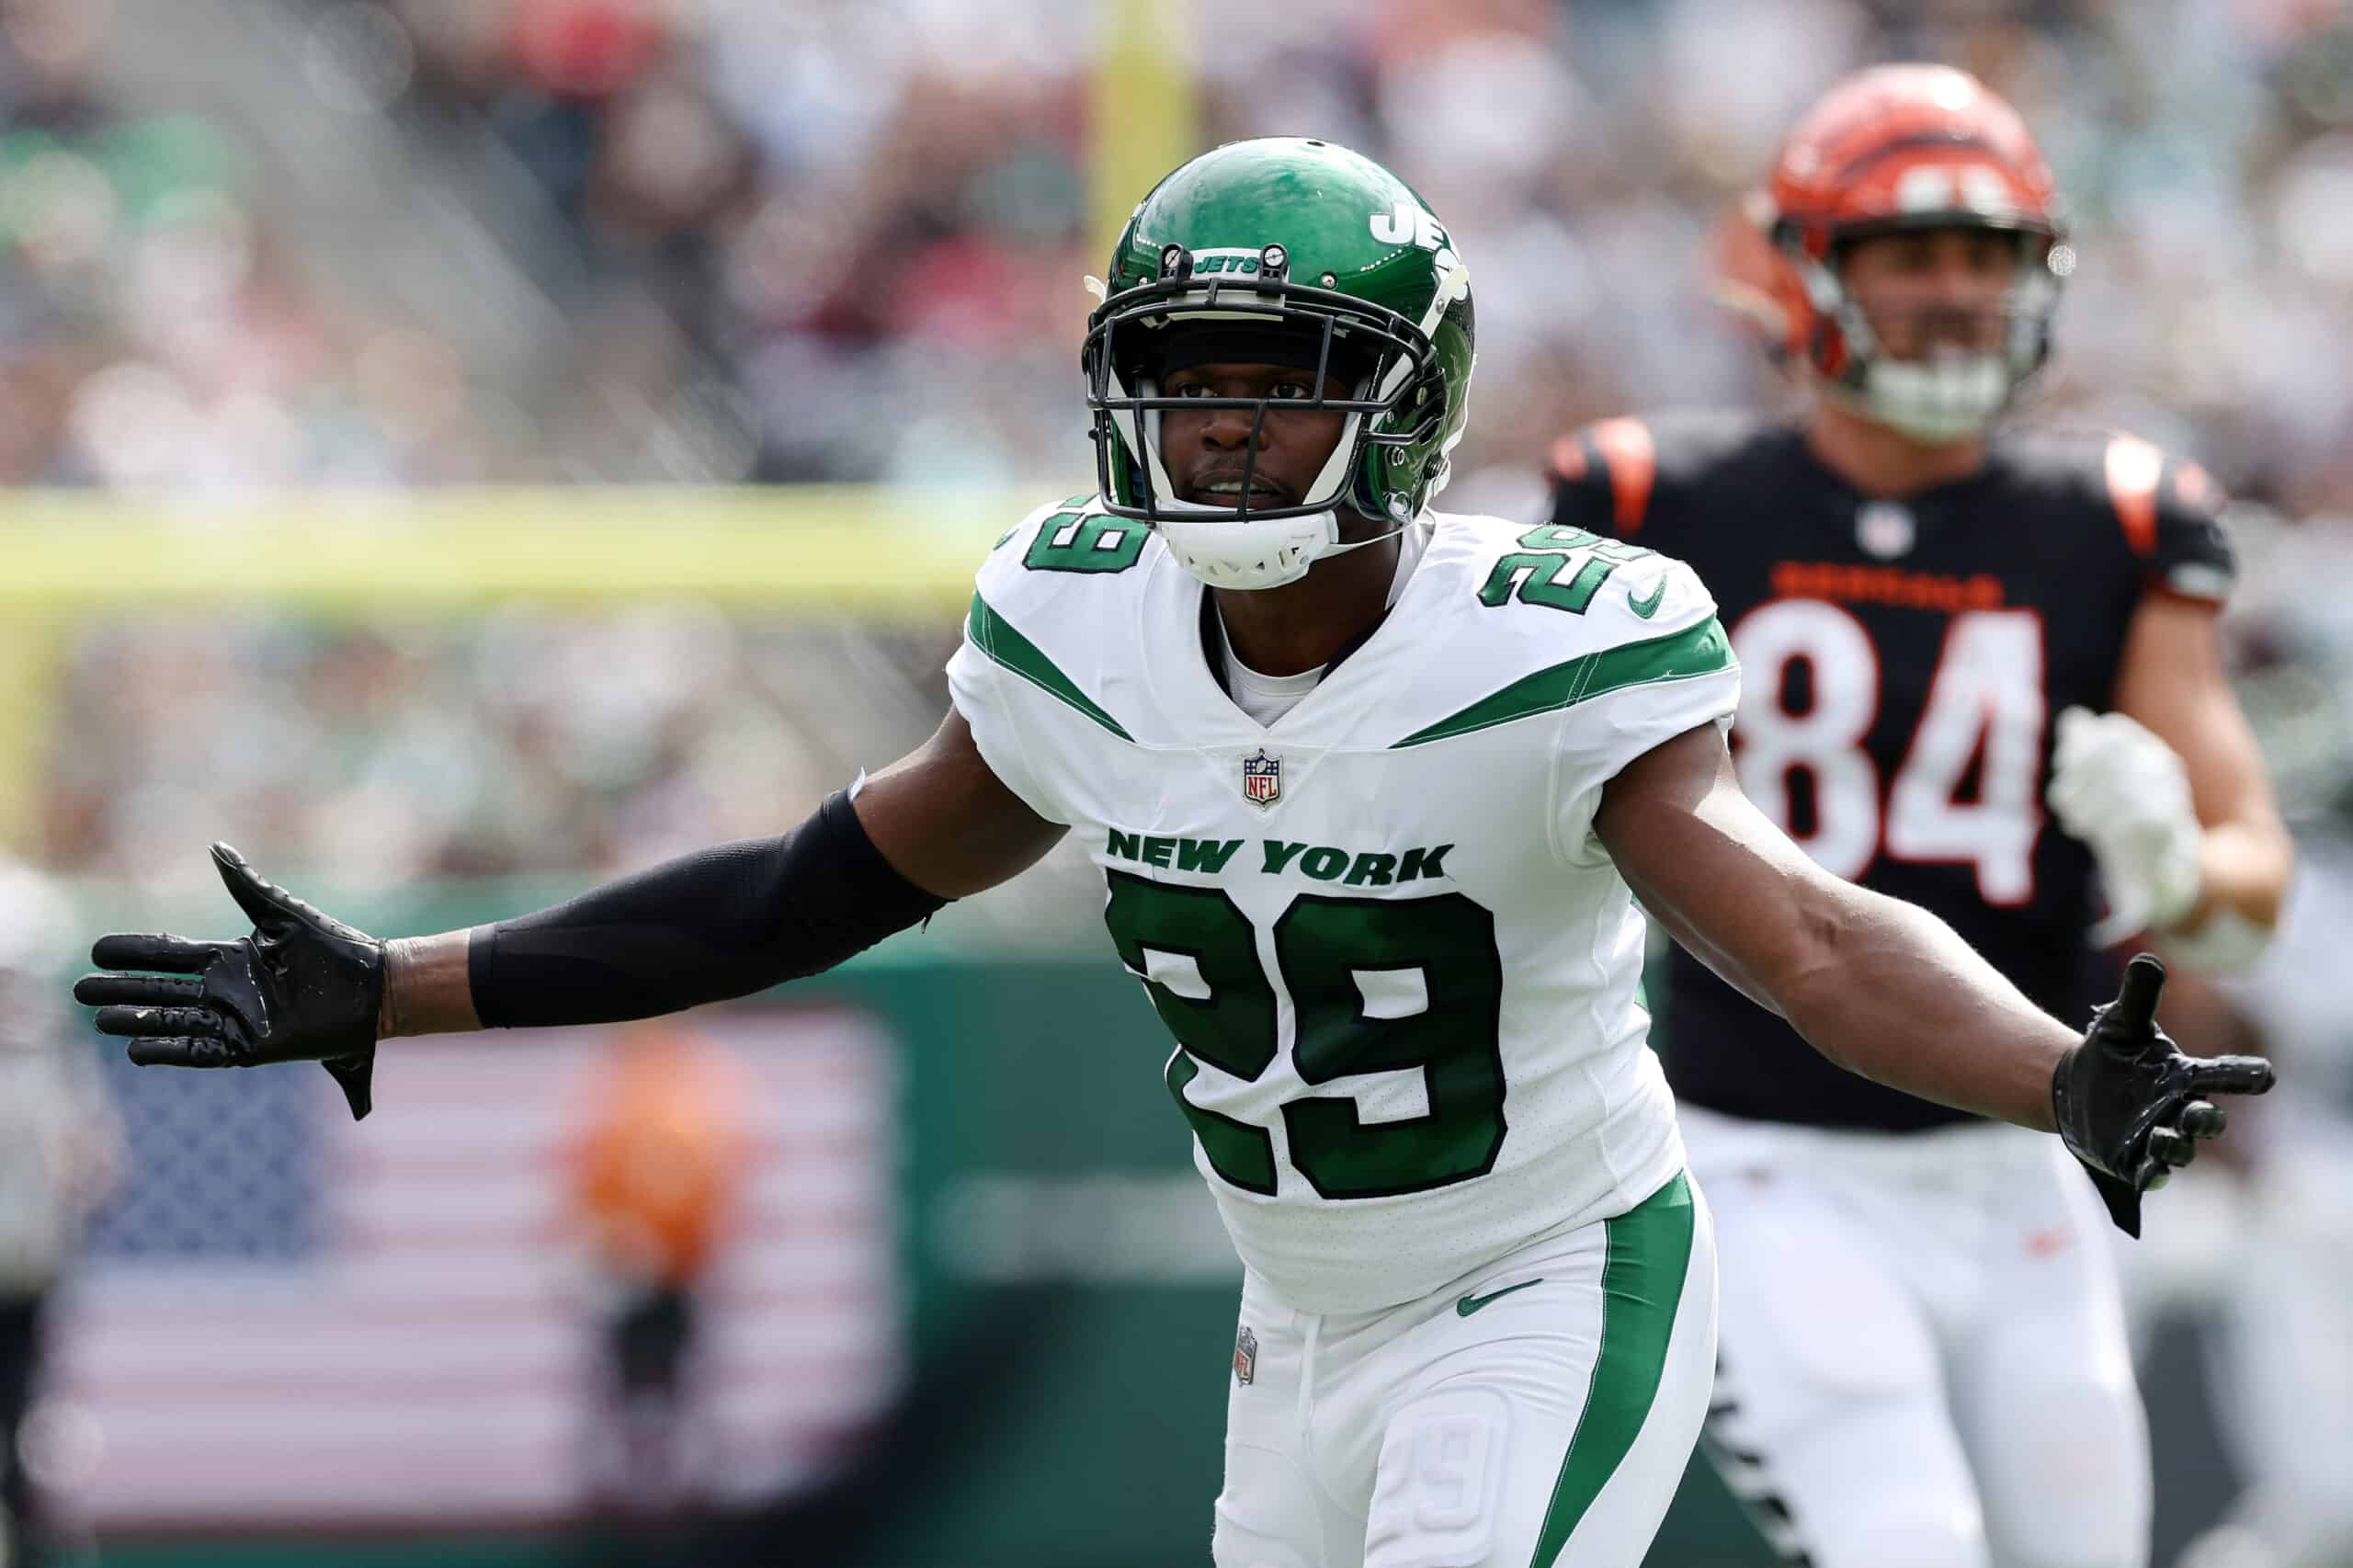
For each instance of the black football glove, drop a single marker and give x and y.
(2131, 1106)
(303, 987)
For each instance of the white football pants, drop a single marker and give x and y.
(1924, 1362)
(1536, 1413)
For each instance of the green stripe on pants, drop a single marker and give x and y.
(1648, 1255)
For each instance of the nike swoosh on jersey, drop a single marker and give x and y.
(1469, 1305)
(1647, 606)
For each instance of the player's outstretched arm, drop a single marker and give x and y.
(1886, 989)
(721, 923)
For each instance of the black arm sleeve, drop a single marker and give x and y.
(720, 922)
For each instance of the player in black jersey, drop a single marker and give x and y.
(1950, 638)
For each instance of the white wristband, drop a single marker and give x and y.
(2226, 942)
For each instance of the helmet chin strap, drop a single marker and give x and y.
(1360, 543)
(1252, 555)
(1949, 398)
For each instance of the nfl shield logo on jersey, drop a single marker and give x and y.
(1884, 529)
(1262, 780)
(1246, 1356)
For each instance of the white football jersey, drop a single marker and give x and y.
(1400, 971)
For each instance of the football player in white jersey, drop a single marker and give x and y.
(1373, 789)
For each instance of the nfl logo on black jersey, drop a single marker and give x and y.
(1884, 529)
(1262, 779)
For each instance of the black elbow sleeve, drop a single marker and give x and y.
(720, 922)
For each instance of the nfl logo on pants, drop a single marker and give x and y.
(1262, 779)
(1246, 1356)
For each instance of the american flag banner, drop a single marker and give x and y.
(293, 1320)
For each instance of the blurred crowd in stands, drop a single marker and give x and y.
(379, 753)
(285, 242)
(253, 244)
(844, 239)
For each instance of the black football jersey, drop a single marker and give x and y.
(1902, 665)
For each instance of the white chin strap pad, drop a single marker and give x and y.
(1225, 554)
(1946, 399)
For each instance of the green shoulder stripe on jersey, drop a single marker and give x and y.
(1647, 1254)
(1695, 650)
(995, 635)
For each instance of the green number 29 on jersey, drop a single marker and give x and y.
(1376, 985)
(1532, 572)
(1079, 540)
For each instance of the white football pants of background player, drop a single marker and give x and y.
(1536, 1413)
(2284, 1380)
(2284, 1384)
(1924, 1362)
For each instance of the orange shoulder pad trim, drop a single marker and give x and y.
(1626, 446)
(2133, 466)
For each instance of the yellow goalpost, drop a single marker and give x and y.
(874, 552)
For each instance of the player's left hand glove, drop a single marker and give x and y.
(303, 987)
(2120, 790)
(2131, 1106)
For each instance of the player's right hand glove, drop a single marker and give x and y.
(2131, 1106)
(303, 987)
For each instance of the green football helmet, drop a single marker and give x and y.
(1325, 258)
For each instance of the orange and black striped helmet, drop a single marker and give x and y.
(1888, 148)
